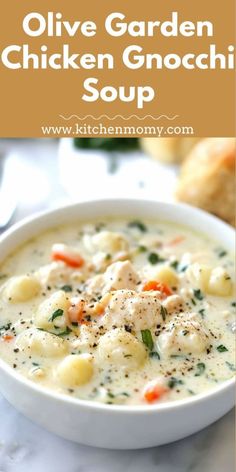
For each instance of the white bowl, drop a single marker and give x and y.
(115, 426)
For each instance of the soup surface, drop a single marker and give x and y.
(120, 311)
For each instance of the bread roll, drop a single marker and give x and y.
(169, 150)
(207, 178)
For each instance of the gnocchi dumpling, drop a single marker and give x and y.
(43, 318)
(22, 288)
(41, 343)
(163, 274)
(199, 275)
(75, 370)
(107, 242)
(220, 283)
(184, 335)
(121, 348)
(213, 281)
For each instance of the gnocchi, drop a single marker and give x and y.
(21, 288)
(45, 316)
(122, 349)
(75, 370)
(41, 343)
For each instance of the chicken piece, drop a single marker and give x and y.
(107, 242)
(136, 310)
(119, 275)
(53, 274)
(185, 334)
(174, 304)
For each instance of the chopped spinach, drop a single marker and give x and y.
(163, 312)
(147, 338)
(221, 348)
(198, 294)
(230, 366)
(174, 265)
(142, 248)
(222, 253)
(139, 225)
(200, 369)
(154, 354)
(202, 312)
(173, 382)
(154, 258)
(5, 327)
(67, 288)
(64, 333)
(56, 314)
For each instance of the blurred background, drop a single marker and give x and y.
(36, 174)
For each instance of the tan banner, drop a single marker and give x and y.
(117, 68)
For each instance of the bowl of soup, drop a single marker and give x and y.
(117, 321)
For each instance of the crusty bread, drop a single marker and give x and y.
(207, 178)
(169, 150)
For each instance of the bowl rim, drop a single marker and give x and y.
(214, 392)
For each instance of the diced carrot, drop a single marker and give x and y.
(74, 261)
(153, 392)
(177, 240)
(155, 285)
(7, 337)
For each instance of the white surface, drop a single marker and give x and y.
(25, 446)
(85, 175)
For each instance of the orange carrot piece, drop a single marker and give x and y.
(7, 337)
(177, 240)
(72, 261)
(155, 285)
(153, 393)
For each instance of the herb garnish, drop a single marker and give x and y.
(163, 312)
(67, 288)
(230, 366)
(56, 314)
(200, 369)
(5, 327)
(185, 332)
(154, 258)
(233, 304)
(198, 294)
(154, 354)
(64, 333)
(222, 253)
(147, 338)
(202, 312)
(142, 248)
(221, 348)
(138, 224)
(174, 381)
(174, 264)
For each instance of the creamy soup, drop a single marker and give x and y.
(120, 311)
